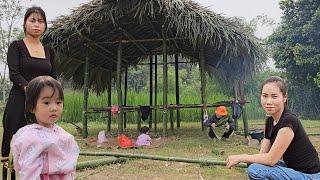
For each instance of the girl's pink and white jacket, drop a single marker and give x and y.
(44, 153)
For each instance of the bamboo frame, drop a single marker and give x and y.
(155, 90)
(109, 100)
(150, 91)
(165, 82)
(176, 67)
(125, 96)
(85, 97)
(203, 84)
(118, 84)
(157, 107)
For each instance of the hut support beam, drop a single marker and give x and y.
(139, 46)
(155, 90)
(244, 114)
(165, 82)
(235, 98)
(150, 91)
(109, 99)
(203, 84)
(176, 58)
(118, 84)
(92, 43)
(125, 96)
(85, 97)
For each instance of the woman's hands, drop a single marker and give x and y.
(233, 160)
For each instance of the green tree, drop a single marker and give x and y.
(296, 49)
(10, 12)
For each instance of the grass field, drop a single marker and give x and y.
(188, 142)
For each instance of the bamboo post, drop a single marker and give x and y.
(125, 96)
(150, 90)
(165, 82)
(118, 83)
(244, 115)
(235, 98)
(162, 158)
(85, 96)
(155, 90)
(109, 100)
(4, 172)
(138, 119)
(176, 66)
(203, 83)
(171, 119)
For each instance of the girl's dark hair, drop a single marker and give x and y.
(33, 91)
(36, 10)
(144, 129)
(283, 86)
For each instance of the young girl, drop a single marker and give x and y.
(143, 139)
(284, 138)
(42, 149)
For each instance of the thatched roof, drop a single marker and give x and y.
(188, 27)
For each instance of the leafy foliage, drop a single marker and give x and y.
(296, 48)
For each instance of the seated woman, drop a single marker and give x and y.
(284, 138)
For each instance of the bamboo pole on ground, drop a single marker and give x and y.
(85, 96)
(150, 91)
(161, 158)
(177, 87)
(165, 82)
(118, 83)
(99, 162)
(203, 84)
(155, 90)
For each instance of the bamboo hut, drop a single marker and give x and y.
(100, 39)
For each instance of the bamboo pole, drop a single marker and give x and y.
(171, 120)
(244, 115)
(138, 119)
(109, 100)
(165, 82)
(235, 98)
(155, 90)
(125, 96)
(203, 84)
(85, 96)
(171, 106)
(119, 93)
(161, 158)
(99, 162)
(177, 87)
(150, 91)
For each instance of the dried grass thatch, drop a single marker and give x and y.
(230, 51)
